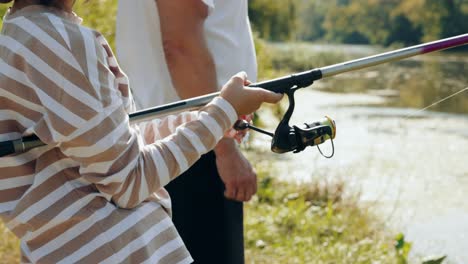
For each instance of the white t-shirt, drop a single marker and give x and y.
(141, 55)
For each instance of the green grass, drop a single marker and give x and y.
(9, 246)
(313, 223)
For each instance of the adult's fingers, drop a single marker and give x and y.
(246, 194)
(230, 192)
(243, 195)
(253, 186)
(242, 192)
(247, 188)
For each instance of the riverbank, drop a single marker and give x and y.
(314, 222)
(408, 165)
(409, 168)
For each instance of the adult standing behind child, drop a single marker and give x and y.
(167, 47)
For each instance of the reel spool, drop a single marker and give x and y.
(295, 138)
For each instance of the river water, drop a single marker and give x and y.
(410, 166)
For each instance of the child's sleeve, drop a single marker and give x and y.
(88, 120)
(160, 128)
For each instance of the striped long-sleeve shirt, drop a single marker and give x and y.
(95, 192)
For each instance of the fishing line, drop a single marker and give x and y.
(401, 186)
(436, 103)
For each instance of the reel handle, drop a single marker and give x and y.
(315, 133)
(297, 138)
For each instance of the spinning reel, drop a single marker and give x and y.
(296, 139)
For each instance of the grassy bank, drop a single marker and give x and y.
(315, 222)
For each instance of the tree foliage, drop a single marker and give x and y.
(382, 22)
(274, 20)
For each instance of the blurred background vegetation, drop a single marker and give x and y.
(377, 22)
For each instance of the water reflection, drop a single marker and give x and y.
(414, 83)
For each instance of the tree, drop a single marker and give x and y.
(274, 20)
(382, 22)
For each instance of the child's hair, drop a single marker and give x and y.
(42, 2)
(47, 2)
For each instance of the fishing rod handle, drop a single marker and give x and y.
(278, 85)
(20, 145)
(284, 84)
(29, 142)
(7, 147)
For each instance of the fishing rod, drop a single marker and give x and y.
(285, 138)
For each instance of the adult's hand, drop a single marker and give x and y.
(237, 174)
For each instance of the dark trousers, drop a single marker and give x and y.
(210, 225)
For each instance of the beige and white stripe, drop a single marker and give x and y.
(94, 193)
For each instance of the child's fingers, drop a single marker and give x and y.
(270, 97)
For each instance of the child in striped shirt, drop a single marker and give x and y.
(94, 193)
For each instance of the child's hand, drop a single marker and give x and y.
(246, 100)
(240, 135)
